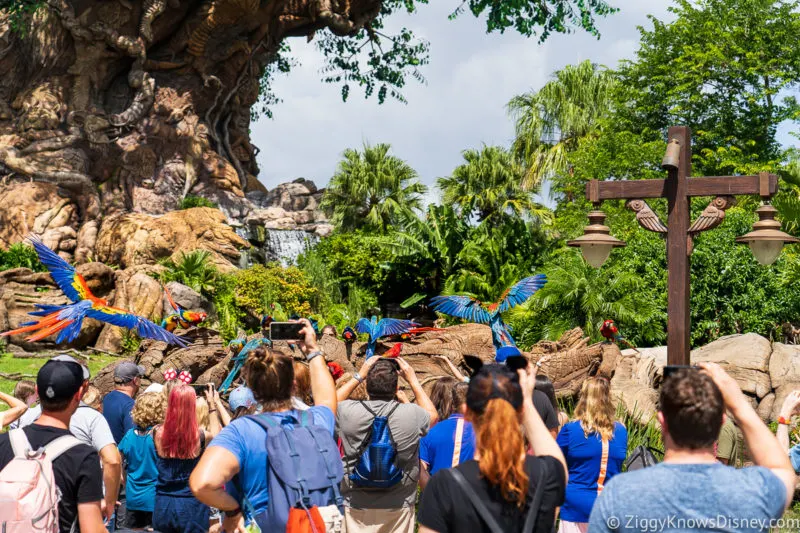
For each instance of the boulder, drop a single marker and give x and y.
(784, 365)
(633, 384)
(765, 406)
(134, 239)
(21, 289)
(745, 357)
(138, 292)
(780, 395)
(187, 298)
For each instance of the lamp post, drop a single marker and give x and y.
(766, 240)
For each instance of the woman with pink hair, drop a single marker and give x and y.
(179, 445)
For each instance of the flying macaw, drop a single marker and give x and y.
(67, 319)
(181, 317)
(377, 329)
(240, 358)
(471, 309)
(611, 333)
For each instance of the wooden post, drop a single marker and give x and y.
(678, 261)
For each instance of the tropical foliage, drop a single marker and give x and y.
(20, 255)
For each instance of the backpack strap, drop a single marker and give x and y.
(475, 500)
(19, 443)
(322, 449)
(55, 448)
(457, 443)
(536, 502)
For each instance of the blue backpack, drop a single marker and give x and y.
(304, 468)
(377, 464)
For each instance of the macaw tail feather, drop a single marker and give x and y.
(51, 329)
(71, 332)
(44, 322)
(623, 340)
(46, 309)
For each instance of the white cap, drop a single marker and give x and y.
(154, 387)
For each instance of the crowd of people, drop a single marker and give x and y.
(289, 451)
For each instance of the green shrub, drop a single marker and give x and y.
(196, 201)
(20, 255)
(260, 286)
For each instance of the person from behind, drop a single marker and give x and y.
(242, 402)
(730, 445)
(503, 485)
(452, 440)
(545, 385)
(690, 485)
(24, 391)
(118, 404)
(595, 446)
(243, 468)
(16, 407)
(301, 395)
(511, 355)
(139, 451)
(378, 499)
(179, 444)
(75, 465)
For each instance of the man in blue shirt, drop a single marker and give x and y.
(118, 404)
(448, 443)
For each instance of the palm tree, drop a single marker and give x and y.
(193, 269)
(551, 122)
(488, 186)
(372, 189)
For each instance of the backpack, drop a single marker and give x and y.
(304, 471)
(641, 457)
(377, 463)
(28, 493)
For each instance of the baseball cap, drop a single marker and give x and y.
(241, 396)
(504, 352)
(60, 378)
(154, 387)
(127, 371)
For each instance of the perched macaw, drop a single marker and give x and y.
(377, 329)
(67, 319)
(611, 333)
(395, 350)
(236, 345)
(240, 358)
(471, 309)
(335, 369)
(181, 317)
(413, 332)
(349, 335)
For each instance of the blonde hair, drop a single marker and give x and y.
(201, 408)
(595, 409)
(302, 382)
(92, 398)
(149, 409)
(24, 389)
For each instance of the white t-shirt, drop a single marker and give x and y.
(87, 424)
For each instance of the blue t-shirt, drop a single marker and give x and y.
(690, 497)
(141, 475)
(583, 456)
(117, 407)
(794, 457)
(437, 447)
(247, 441)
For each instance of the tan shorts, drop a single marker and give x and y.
(379, 520)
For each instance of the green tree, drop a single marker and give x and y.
(193, 269)
(721, 67)
(551, 122)
(373, 190)
(489, 186)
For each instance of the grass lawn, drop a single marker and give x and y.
(10, 365)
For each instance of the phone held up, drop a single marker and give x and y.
(286, 331)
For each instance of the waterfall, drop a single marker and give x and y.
(286, 245)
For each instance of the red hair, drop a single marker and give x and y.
(179, 434)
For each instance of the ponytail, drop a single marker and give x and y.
(502, 450)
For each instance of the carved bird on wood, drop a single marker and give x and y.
(66, 320)
(385, 327)
(471, 309)
(646, 217)
(713, 215)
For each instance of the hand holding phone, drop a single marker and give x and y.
(286, 331)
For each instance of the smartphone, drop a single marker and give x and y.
(286, 331)
(517, 362)
(671, 369)
(199, 389)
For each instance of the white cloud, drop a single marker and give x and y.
(471, 77)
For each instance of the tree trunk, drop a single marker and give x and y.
(131, 105)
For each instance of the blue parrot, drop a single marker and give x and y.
(471, 309)
(377, 329)
(240, 358)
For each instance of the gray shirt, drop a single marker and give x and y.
(689, 497)
(87, 424)
(407, 425)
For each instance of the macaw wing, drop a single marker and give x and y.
(393, 326)
(520, 292)
(364, 325)
(68, 280)
(143, 327)
(172, 303)
(461, 307)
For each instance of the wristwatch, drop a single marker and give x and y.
(233, 513)
(357, 377)
(312, 355)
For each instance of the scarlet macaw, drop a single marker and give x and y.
(611, 333)
(386, 326)
(181, 317)
(471, 309)
(67, 319)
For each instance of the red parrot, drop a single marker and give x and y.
(181, 317)
(395, 350)
(413, 332)
(336, 370)
(67, 319)
(611, 333)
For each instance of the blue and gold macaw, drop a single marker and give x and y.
(377, 329)
(471, 309)
(180, 317)
(240, 358)
(66, 320)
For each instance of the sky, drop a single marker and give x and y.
(470, 78)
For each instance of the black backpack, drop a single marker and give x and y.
(641, 457)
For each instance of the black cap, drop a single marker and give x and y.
(60, 378)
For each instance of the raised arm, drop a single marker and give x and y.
(420, 396)
(16, 409)
(787, 410)
(214, 424)
(347, 389)
(323, 388)
(217, 466)
(764, 447)
(224, 415)
(453, 368)
(540, 439)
